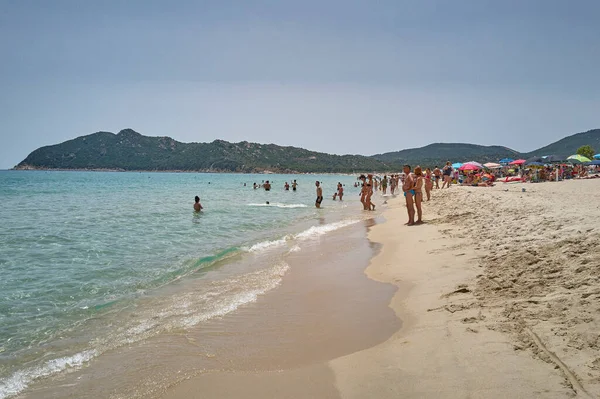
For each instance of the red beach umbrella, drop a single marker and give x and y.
(518, 162)
(469, 166)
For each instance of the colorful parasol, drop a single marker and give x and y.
(578, 159)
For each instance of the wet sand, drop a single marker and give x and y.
(278, 346)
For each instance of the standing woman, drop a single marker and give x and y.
(384, 184)
(370, 205)
(447, 172)
(363, 192)
(428, 183)
(418, 187)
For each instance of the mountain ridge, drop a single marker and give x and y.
(130, 150)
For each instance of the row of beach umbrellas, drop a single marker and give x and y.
(534, 161)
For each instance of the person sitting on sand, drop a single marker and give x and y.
(197, 206)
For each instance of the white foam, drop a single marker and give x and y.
(260, 283)
(265, 245)
(317, 231)
(295, 248)
(280, 205)
(17, 382)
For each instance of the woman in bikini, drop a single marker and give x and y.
(418, 187)
(363, 192)
(428, 183)
(370, 205)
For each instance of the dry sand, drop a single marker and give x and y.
(499, 296)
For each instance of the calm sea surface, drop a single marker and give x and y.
(90, 261)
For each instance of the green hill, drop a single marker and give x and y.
(129, 150)
(439, 153)
(569, 145)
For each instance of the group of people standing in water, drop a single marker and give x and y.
(413, 183)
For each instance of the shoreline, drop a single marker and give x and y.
(455, 340)
(322, 309)
(265, 172)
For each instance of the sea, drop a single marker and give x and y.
(94, 261)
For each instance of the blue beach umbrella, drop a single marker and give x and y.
(457, 165)
(506, 160)
(595, 163)
(597, 156)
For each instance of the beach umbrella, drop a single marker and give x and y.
(578, 159)
(457, 165)
(469, 166)
(518, 162)
(533, 159)
(492, 165)
(597, 156)
(506, 160)
(534, 164)
(553, 158)
(594, 163)
(480, 166)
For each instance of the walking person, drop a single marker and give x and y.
(447, 172)
(438, 174)
(428, 183)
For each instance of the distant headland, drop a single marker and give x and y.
(129, 150)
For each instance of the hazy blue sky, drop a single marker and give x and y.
(336, 76)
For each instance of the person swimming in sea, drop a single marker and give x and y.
(294, 185)
(197, 206)
(286, 186)
(267, 186)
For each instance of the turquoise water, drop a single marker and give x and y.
(90, 261)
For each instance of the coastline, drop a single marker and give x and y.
(323, 308)
(458, 339)
(473, 304)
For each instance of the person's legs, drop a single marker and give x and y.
(428, 191)
(418, 201)
(410, 209)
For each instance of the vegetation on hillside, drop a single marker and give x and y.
(129, 150)
(586, 151)
(569, 145)
(439, 153)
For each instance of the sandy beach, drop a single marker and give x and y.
(498, 294)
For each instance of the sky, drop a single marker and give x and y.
(340, 76)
